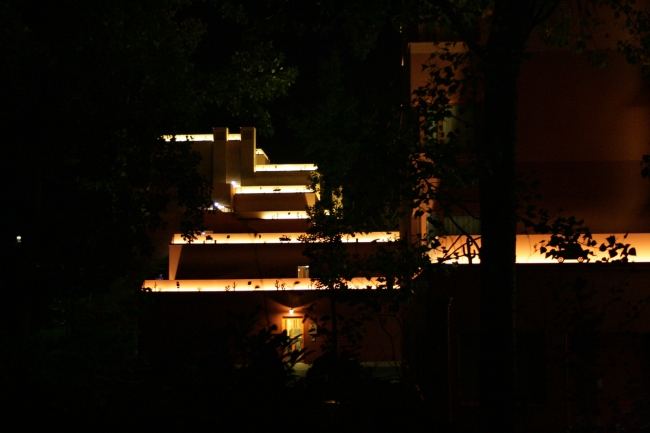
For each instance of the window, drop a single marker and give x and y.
(461, 122)
(461, 224)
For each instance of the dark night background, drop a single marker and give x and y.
(87, 90)
(306, 39)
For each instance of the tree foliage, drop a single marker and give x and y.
(493, 39)
(480, 48)
(89, 90)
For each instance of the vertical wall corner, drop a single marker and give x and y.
(219, 160)
(174, 258)
(247, 149)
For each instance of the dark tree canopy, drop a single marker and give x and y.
(88, 91)
(495, 36)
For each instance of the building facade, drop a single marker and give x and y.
(250, 257)
(582, 327)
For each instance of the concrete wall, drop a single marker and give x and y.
(220, 261)
(273, 202)
(583, 131)
(272, 178)
(189, 324)
(440, 339)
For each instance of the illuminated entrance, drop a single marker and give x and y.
(293, 325)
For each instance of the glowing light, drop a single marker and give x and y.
(285, 167)
(189, 137)
(19, 239)
(259, 151)
(290, 310)
(279, 189)
(222, 208)
(234, 137)
(256, 285)
(277, 238)
(283, 215)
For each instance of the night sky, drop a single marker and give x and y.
(304, 47)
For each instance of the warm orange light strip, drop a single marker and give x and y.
(276, 238)
(190, 137)
(285, 167)
(250, 285)
(528, 248)
(200, 137)
(284, 215)
(279, 189)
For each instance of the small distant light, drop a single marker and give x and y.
(202, 233)
(290, 310)
(19, 239)
(306, 266)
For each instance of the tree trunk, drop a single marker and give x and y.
(497, 299)
(498, 227)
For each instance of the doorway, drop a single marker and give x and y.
(293, 325)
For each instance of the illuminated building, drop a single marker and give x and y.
(250, 255)
(583, 130)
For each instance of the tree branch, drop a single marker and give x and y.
(457, 24)
(539, 17)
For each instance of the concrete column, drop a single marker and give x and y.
(247, 149)
(222, 156)
(233, 161)
(174, 258)
(219, 161)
